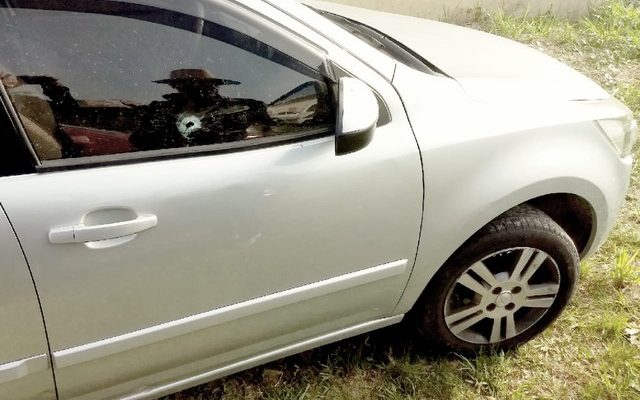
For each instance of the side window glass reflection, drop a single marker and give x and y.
(198, 114)
(133, 83)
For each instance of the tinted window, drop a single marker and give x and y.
(94, 78)
(14, 156)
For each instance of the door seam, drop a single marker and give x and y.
(35, 288)
(424, 193)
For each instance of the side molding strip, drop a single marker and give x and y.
(21, 368)
(265, 358)
(172, 329)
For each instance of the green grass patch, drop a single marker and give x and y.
(629, 93)
(614, 27)
(626, 270)
(611, 29)
(618, 374)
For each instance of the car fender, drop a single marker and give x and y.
(472, 178)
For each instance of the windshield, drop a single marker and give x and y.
(383, 43)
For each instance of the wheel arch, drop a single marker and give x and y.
(518, 234)
(467, 185)
(573, 213)
(571, 203)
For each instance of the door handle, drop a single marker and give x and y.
(82, 233)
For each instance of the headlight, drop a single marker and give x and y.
(621, 132)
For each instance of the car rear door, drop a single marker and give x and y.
(164, 252)
(25, 365)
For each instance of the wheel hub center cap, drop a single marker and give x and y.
(504, 298)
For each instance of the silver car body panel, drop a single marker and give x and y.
(253, 251)
(230, 232)
(489, 67)
(207, 320)
(501, 95)
(25, 371)
(19, 369)
(481, 159)
(265, 253)
(263, 358)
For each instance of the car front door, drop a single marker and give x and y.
(189, 211)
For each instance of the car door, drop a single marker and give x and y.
(25, 367)
(188, 211)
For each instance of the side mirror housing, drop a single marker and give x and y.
(357, 116)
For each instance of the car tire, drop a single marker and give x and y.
(503, 287)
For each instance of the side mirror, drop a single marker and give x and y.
(357, 116)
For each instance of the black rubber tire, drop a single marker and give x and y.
(523, 226)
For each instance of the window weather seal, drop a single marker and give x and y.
(17, 124)
(174, 19)
(182, 152)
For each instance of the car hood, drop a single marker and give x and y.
(488, 67)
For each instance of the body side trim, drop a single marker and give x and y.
(21, 368)
(172, 329)
(265, 358)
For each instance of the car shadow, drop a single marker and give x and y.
(396, 354)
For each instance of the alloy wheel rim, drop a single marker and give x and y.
(502, 295)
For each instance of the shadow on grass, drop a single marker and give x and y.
(391, 363)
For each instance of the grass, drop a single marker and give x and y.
(591, 352)
(626, 270)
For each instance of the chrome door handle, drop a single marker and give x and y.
(82, 233)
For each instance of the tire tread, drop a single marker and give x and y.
(525, 218)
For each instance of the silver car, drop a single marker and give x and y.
(193, 188)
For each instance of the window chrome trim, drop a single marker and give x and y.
(181, 152)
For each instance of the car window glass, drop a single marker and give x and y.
(15, 158)
(99, 78)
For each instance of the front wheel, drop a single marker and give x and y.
(504, 286)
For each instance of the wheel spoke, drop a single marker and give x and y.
(511, 326)
(525, 256)
(496, 334)
(464, 325)
(534, 266)
(497, 291)
(471, 283)
(544, 289)
(483, 272)
(459, 316)
(538, 302)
